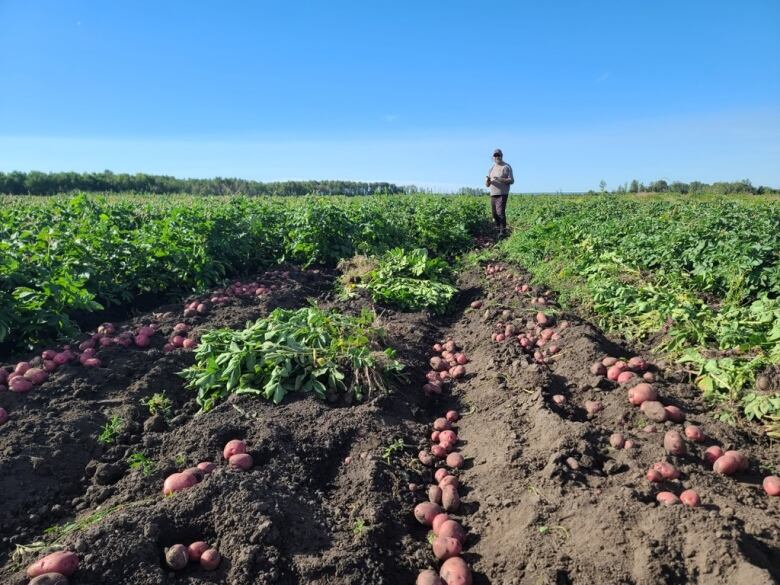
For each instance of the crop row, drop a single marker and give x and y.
(705, 274)
(59, 256)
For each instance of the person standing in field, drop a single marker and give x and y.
(498, 179)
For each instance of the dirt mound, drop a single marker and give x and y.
(545, 499)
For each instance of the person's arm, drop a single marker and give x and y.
(511, 177)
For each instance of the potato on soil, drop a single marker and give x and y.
(428, 577)
(593, 406)
(712, 454)
(196, 549)
(438, 520)
(653, 410)
(642, 392)
(62, 562)
(453, 529)
(450, 498)
(690, 498)
(598, 369)
(242, 461)
(617, 440)
(438, 451)
(771, 485)
(448, 480)
(448, 437)
(740, 456)
(674, 444)
(177, 482)
(452, 415)
(210, 559)
(176, 557)
(425, 512)
(667, 470)
(727, 464)
(445, 547)
(441, 424)
(455, 460)
(694, 433)
(233, 447)
(608, 362)
(434, 494)
(625, 377)
(667, 498)
(674, 414)
(455, 571)
(206, 467)
(654, 475)
(426, 458)
(440, 474)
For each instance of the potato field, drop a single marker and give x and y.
(373, 390)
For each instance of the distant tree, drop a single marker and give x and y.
(634, 188)
(659, 186)
(602, 185)
(679, 187)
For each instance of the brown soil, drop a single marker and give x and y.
(545, 499)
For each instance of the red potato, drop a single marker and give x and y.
(106, 341)
(434, 494)
(637, 364)
(593, 406)
(648, 377)
(88, 344)
(432, 376)
(438, 520)
(437, 347)
(452, 415)
(92, 363)
(667, 470)
(447, 355)
(177, 341)
(771, 485)
(449, 480)
(441, 424)
(674, 444)
(654, 410)
(674, 414)
(177, 482)
(542, 319)
(649, 429)
(428, 577)
(613, 373)
(437, 363)
(444, 375)
(206, 467)
(450, 499)
(458, 372)
(694, 433)
(446, 547)
(36, 375)
(435, 436)
(49, 365)
(455, 571)
(431, 388)
(727, 465)
(455, 460)
(625, 376)
(500, 337)
(142, 340)
(617, 440)
(642, 392)
(667, 498)
(559, 399)
(450, 346)
(461, 359)
(197, 472)
(147, 331)
(609, 361)
(629, 444)
(62, 358)
(438, 451)
(177, 557)
(210, 559)
(425, 512)
(448, 436)
(62, 562)
(476, 304)
(598, 369)
(47, 354)
(547, 334)
(452, 529)
(440, 474)
(196, 550)
(654, 475)
(233, 447)
(19, 384)
(743, 461)
(690, 498)
(190, 344)
(181, 328)
(426, 458)
(712, 454)
(242, 461)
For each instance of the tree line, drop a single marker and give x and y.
(38, 183)
(718, 188)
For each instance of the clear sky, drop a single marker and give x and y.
(573, 91)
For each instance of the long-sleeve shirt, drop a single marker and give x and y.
(500, 171)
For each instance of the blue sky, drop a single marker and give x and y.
(412, 92)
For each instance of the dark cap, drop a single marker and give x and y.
(497, 151)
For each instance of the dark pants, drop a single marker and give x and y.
(498, 203)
